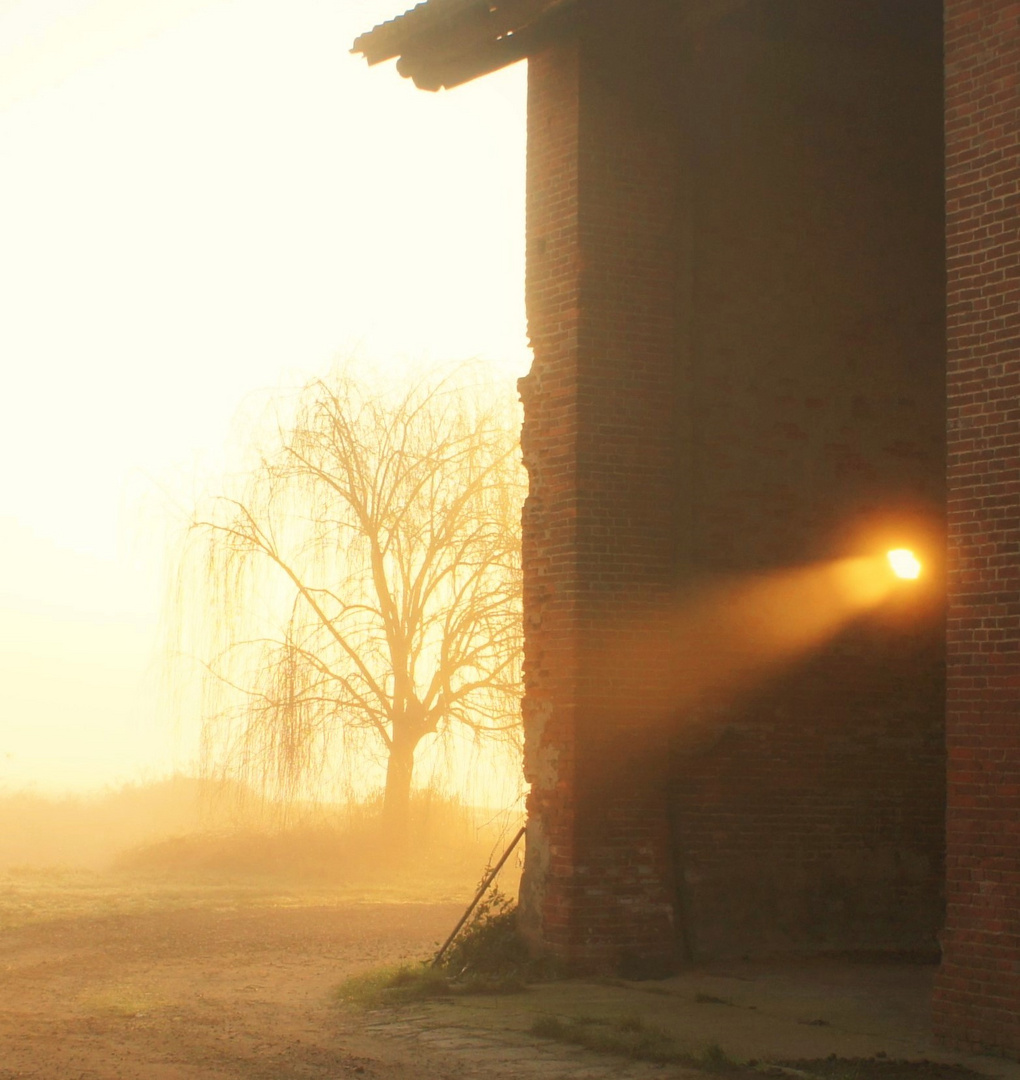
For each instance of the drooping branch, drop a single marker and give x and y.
(365, 582)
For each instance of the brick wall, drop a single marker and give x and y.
(550, 512)
(810, 809)
(735, 299)
(598, 443)
(978, 989)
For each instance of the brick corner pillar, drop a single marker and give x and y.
(599, 551)
(977, 995)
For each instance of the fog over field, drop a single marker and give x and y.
(188, 830)
(184, 928)
(203, 202)
(205, 206)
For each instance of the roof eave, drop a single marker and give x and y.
(445, 43)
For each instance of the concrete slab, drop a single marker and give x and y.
(755, 1011)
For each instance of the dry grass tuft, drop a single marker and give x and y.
(630, 1037)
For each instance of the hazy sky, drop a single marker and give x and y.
(200, 200)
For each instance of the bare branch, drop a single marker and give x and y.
(362, 588)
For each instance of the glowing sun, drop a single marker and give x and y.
(904, 563)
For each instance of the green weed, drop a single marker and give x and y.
(394, 986)
(715, 1059)
(489, 945)
(629, 1036)
(487, 957)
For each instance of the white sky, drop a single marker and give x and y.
(200, 200)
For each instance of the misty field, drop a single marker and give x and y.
(158, 932)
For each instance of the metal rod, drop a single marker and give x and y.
(482, 889)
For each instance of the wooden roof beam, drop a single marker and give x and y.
(444, 43)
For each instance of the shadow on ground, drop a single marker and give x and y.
(825, 1018)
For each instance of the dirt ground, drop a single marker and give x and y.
(110, 977)
(107, 979)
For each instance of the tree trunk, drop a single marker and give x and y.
(397, 798)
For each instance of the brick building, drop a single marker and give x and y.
(764, 237)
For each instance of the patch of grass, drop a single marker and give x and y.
(409, 984)
(710, 999)
(487, 957)
(631, 1037)
(552, 1027)
(879, 1068)
(394, 986)
(32, 896)
(715, 1059)
(122, 999)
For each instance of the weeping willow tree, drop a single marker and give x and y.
(361, 591)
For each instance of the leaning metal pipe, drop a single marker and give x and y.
(482, 889)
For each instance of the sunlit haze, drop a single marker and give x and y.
(730, 638)
(202, 201)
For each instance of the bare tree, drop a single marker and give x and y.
(362, 590)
